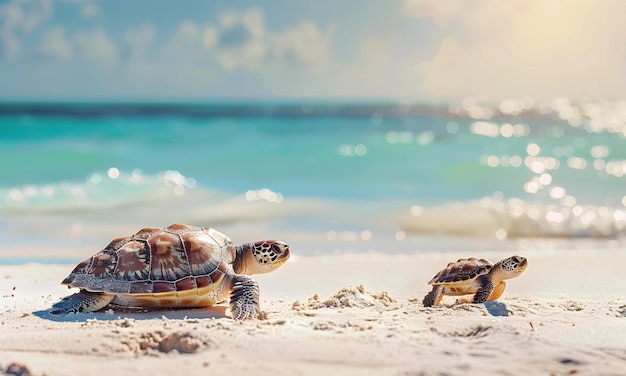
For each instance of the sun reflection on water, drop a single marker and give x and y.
(264, 194)
(551, 166)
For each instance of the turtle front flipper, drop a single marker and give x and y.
(483, 292)
(81, 302)
(433, 297)
(497, 291)
(244, 298)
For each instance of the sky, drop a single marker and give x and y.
(418, 50)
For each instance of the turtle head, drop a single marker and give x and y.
(260, 257)
(512, 266)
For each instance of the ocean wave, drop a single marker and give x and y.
(516, 218)
(113, 203)
(122, 200)
(100, 191)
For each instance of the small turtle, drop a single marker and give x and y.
(177, 266)
(474, 276)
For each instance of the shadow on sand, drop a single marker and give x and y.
(116, 313)
(496, 308)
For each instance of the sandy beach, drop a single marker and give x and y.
(380, 144)
(352, 315)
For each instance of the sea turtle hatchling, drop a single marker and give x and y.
(474, 276)
(176, 266)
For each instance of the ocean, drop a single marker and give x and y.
(327, 177)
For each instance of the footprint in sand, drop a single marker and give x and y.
(160, 342)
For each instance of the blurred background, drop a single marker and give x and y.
(353, 126)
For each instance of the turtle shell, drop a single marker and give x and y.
(462, 272)
(173, 261)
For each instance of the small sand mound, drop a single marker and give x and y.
(384, 298)
(348, 298)
(572, 305)
(184, 343)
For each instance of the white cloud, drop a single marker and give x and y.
(239, 28)
(305, 46)
(188, 33)
(140, 39)
(209, 36)
(95, 45)
(89, 10)
(240, 40)
(375, 51)
(18, 18)
(443, 12)
(55, 45)
(496, 49)
(137, 45)
(183, 59)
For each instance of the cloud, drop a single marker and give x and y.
(496, 49)
(137, 44)
(240, 40)
(139, 40)
(89, 10)
(55, 45)
(182, 58)
(188, 33)
(19, 18)
(240, 28)
(443, 12)
(95, 45)
(304, 46)
(198, 55)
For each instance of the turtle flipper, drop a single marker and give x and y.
(81, 302)
(483, 292)
(244, 298)
(433, 297)
(497, 291)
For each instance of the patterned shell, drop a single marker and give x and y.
(462, 272)
(153, 261)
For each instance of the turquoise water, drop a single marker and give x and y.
(332, 172)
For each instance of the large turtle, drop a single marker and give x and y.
(474, 276)
(177, 266)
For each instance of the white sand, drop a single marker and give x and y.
(565, 315)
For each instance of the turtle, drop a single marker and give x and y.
(474, 276)
(175, 266)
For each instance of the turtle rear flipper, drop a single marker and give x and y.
(244, 298)
(81, 302)
(433, 297)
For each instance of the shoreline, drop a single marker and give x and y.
(347, 314)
